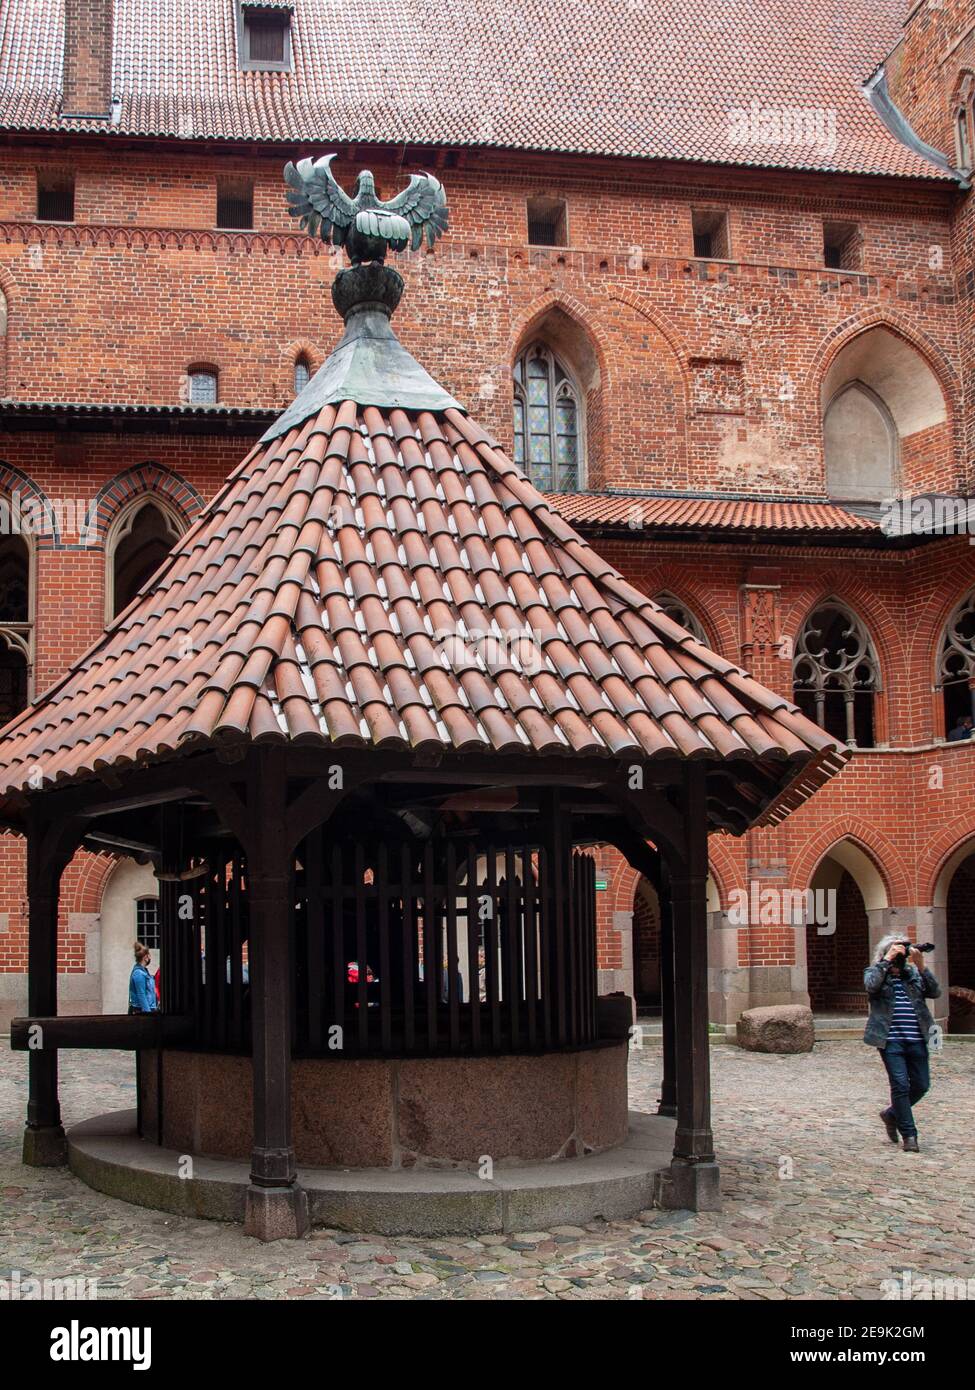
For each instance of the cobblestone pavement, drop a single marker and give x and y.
(817, 1204)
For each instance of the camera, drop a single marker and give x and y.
(909, 946)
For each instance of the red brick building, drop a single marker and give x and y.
(709, 274)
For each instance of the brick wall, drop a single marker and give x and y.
(698, 375)
(721, 363)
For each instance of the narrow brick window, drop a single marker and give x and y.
(842, 245)
(963, 139)
(264, 36)
(203, 387)
(548, 421)
(710, 230)
(302, 374)
(547, 224)
(235, 204)
(147, 922)
(55, 196)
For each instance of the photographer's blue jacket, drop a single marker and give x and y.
(880, 990)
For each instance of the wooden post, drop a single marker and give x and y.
(692, 1181)
(668, 1082)
(44, 1141)
(276, 1205)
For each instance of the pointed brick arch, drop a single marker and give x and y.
(882, 853)
(721, 632)
(583, 357)
(862, 322)
(8, 290)
(664, 328)
(942, 603)
(145, 479)
(15, 482)
(938, 853)
(525, 325)
(290, 353)
(722, 869)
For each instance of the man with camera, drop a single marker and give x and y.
(897, 984)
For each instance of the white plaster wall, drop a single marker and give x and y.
(128, 882)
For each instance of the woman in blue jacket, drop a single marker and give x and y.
(142, 987)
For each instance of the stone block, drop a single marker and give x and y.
(778, 1028)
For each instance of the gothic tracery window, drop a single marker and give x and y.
(16, 628)
(680, 613)
(836, 674)
(956, 662)
(548, 421)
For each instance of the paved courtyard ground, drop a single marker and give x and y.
(817, 1204)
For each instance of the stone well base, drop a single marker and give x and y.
(394, 1113)
(108, 1155)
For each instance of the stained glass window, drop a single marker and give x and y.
(547, 419)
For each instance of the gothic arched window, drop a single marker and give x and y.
(548, 421)
(16, 628)
(956, 663)
(680, 613)
(138, 544)
(860, 446)
(835, 674)
(302, 374)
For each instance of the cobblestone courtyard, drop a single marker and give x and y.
(817, 1204)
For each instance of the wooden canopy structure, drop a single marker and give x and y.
(364, 721)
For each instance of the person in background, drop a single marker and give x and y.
(962, 729)
(897, 985)
(142, 987)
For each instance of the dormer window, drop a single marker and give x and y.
(264, 35)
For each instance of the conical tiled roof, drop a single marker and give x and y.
(379, 575)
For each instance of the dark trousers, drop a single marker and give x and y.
(910, 1079)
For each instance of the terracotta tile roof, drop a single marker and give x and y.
(379, 579)
(655, 79)
(639, 511)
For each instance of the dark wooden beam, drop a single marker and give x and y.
(693, 1178)
(50, 845)
(121, 1032)
(276, 1206)
(668, 1083)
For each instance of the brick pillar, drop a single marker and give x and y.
(88, 58)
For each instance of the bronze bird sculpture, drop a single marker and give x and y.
(364, 225)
